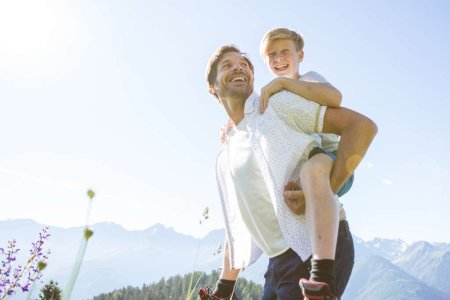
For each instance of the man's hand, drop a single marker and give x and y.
(225, 130)
(268, 90)
(294, 198)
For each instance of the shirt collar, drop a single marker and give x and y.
(250, 103)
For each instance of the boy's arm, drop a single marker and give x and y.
(357, 132)
(322, 93)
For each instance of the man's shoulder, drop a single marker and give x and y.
(221, 159)
(252, 103)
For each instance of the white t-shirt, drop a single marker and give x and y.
(252, 195)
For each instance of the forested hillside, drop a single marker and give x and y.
(177, 287)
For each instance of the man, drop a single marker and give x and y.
(264, 152)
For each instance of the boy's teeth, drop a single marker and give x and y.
(281, 67)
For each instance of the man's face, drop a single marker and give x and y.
(283, 58)
(234, 76)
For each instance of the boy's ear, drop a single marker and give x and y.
(300, 56)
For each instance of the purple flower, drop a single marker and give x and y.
(22, 277)
(26, 287)
(17, 272)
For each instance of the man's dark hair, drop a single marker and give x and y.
(211, 68)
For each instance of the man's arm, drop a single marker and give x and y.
(227, 279)
(227, 272)
(322, 93)
(357, 132)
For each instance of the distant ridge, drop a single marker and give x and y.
(374, 278)
(118, 258)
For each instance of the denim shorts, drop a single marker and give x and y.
(285, 270)
(348, 183)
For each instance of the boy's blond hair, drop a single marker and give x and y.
(278, 34)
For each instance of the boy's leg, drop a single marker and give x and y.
(321, 205)
(321, 216)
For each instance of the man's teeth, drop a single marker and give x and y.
(238, 79)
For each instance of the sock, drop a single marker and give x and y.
(224, 288)
(323, 270)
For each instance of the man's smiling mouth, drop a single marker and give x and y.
(238, 79)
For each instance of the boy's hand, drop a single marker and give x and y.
(268, 90)
(294, 198)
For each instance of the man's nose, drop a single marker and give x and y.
(238, 66)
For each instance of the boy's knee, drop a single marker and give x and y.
(317, 169)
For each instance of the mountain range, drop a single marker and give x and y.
(116, 258)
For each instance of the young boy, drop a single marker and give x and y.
(282, 50)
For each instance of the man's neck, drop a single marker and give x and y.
(234, 106)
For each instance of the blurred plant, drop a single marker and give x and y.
(22, 277)
(51, 291)
(218, 250)
(87, 234)
(191, 289)
(205, 214)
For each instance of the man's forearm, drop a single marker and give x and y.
(227, 272)
(357, 132)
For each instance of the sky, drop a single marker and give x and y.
(110, 95)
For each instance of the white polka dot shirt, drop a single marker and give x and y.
(281, 139)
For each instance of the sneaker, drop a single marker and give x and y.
(316, 290)
(205, 293)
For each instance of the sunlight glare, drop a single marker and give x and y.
(28, 30)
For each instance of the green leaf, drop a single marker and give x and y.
(91, 194)
(88, 233)
(41, 265)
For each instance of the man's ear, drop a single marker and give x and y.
(216, 91)
(300, 56)
(213, 88)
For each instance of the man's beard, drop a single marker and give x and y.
(240, 93)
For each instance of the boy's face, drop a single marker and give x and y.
(234, 76)
(283, 58)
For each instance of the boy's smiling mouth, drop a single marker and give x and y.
(281, 67)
